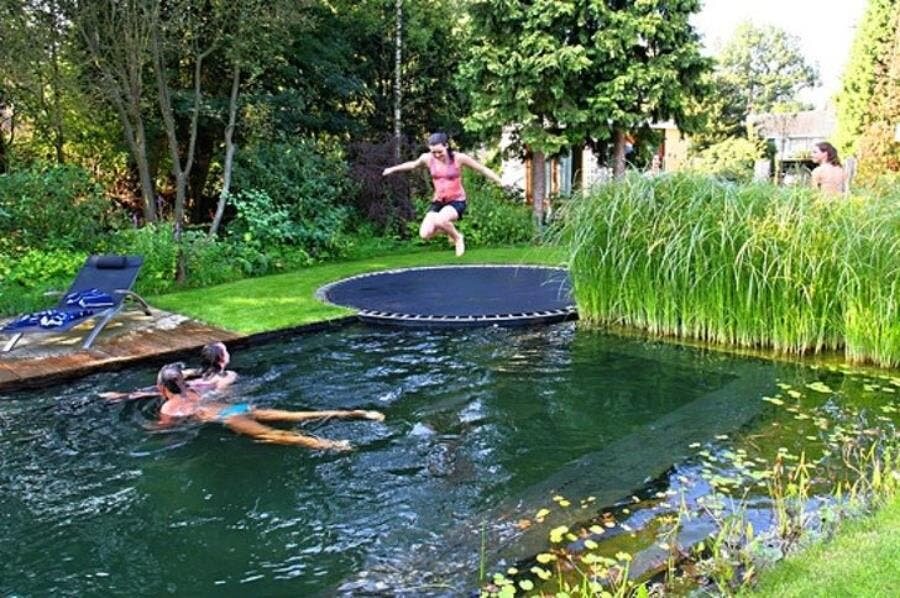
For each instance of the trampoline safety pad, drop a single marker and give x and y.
(442, 296)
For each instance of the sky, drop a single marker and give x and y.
(826, 31)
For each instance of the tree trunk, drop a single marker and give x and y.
(3, 159)
(229, 151)
(116, 37)
(619, 155)
(398, 64)
(577, 167)
(181, 171)
(538, 187)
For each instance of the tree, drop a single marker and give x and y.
(259, 28)
(765, 67)
(117, 35)
(761, 69)
(878, 148)
(867, 82)
(562, 73)
(34, 42)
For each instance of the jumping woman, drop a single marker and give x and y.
(449, 201)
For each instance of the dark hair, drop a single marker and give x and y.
(440, 138)
(826, 147)
(171, 378)
(211, 359)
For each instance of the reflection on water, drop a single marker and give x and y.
(481, 426)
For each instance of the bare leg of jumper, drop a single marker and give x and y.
(442, 222)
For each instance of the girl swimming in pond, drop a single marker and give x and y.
(211, 377)
(182, 402)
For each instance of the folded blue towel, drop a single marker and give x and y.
(89, 298)
(48, 318)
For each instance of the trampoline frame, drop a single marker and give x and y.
(431, 321)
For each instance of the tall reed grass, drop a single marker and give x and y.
(747, 266)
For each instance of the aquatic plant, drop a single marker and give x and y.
(746, 266)
(741, 503)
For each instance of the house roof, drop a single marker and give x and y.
(811, 124)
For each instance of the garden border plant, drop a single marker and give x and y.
(747, 266)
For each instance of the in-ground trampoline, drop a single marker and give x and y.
(457, 296)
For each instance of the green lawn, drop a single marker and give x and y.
(273, 302)
(863, 560)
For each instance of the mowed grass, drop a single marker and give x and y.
(284, 300)
(863, 560)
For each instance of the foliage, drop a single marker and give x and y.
(765, 67)
(57, 207)
(731, 160)
(746, 266)
(336, 74)
(875, 37)
(383, 201)
(304, 188)
(761, 69)
(878, 149)
(567, 73)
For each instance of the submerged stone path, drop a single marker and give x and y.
(131, 336)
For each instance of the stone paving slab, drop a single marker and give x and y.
(129, 337)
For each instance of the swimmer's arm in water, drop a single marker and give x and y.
(149, 392)
(478, 167)
(191, 373)
(411, 165)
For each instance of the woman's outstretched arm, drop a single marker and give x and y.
(412, 164)
(478, 167)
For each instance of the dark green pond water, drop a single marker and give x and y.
(481, 427)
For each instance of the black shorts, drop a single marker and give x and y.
(459, 206)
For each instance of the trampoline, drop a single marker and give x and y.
(448, 296)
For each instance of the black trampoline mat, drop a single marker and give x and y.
(457, 292)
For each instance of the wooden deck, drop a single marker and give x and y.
(43, 359)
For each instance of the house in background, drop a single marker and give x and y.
(563, 173)
(793, 134)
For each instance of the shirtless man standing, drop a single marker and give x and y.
(829, 175)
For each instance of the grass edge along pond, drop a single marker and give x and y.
(746, 266)
(861, 560)
(279, 301)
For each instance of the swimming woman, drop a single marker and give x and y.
(211, 377)
(182, 402)
(449, 201)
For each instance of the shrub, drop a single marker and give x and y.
(304, 185)
(59, 207)
(382, 201)
(731, 160)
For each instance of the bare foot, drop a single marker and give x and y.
(340, 446)
(373, 415)
(460, 246)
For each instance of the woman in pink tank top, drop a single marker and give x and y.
(449, 201)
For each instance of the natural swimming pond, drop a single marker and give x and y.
(484, 427)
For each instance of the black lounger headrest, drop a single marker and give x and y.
(111, 262)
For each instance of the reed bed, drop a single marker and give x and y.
(747, 266)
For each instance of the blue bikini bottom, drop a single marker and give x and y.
(232, 410)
